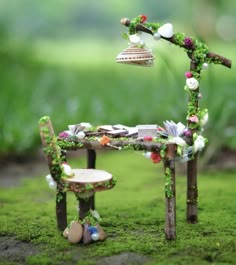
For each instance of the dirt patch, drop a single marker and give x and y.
(15, 250)
(124, 259)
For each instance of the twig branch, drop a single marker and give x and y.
(216, 58)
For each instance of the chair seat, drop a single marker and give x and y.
(89, 180)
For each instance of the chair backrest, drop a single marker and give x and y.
(51, 149)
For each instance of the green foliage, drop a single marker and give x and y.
(132, 216)
(168, 183)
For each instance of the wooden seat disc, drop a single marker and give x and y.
(89, 176)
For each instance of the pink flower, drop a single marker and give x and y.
(188, 74)
(147, 138)
(156, 158)
(187, 133)
(64, 135)
(194, 119)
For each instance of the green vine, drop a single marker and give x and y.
(168, 183)
(195, 49)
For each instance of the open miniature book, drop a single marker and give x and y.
(171, 129)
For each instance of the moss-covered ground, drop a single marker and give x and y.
(133, 217)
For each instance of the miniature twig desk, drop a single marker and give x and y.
(158, 146)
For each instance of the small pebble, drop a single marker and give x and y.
(75, 232)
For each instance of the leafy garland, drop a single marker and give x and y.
(195, 49)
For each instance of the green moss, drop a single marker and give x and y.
(133, 216)
(44, 119)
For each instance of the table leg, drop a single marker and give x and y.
(192, 191)
(61, 210)
(91, 163)
(169, 167)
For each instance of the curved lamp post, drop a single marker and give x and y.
(200, 57)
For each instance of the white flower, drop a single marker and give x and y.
(199, 144)
(157, 36)
(52, 185)
(80, 135)
(147, 154)
(192, 83)
(204, 119)
(205, 66)
(135, 39)
(67, 169)
(49, 178)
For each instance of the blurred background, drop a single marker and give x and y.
(57, 58)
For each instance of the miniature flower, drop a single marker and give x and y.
(192, 83)
(105, 140)
(147, 138)
(156, 36)
(80, 135)
(52, 185)
(204, 119)
(188, 74)
(199, 143)
(199, 96)
(147, 154)
(67, 169)
(49, 178)
(193, 118)
(188, 42)
(143, 18)
(156, 158)
(187, 133)
(64, 135)
(205, 66)
(135, 39)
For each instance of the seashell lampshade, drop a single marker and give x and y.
(136, 56)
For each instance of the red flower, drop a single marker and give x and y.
(143, 18)
(156, 158)
(147, 138)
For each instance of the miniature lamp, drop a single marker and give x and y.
(135, 55)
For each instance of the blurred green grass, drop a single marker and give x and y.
(79, 81)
